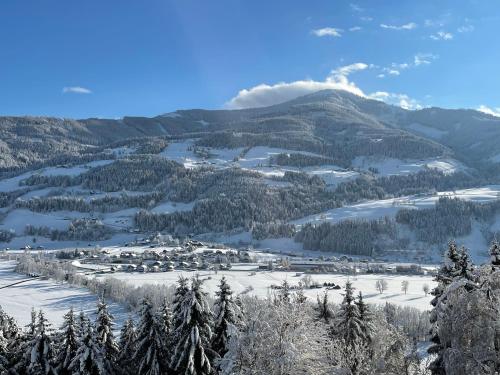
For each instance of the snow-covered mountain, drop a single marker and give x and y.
(253, 176)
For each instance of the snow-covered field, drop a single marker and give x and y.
(11, 184)
(244, 281)
(54, 298)
(389, 207)
(390, 166)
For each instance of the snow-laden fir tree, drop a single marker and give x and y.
(180, 293)
(104, 332)
(89, 359)
(193, 355)
(82, 323)
(4, 355)
(67, 343)
(225, 318)
(495, 254)
(324, 310)
(456, 265)
(151, 354)
(349, 333)
(40, 350)
(366, 317)
(127, 347)
(165, 320)
(32, 326)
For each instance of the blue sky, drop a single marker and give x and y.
(112, 58)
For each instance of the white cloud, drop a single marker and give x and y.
(264, 95)
(356, 8)
(328, 31)
(424, 58)
(442, 35)
(76, 90)
(490, 111)
(355, 28)
(400, 100)
(407, 26)
(395, 69)
(466, 29)
(366, 18)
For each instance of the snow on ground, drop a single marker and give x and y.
(260, 155)
(11, 184)
(427, 130)
(389, 207)
(168, 207)
(18, 219)
(54, 298)
(179, 152)
(391, 166)
(259, 284)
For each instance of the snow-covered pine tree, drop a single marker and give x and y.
(284, 293)
(177, 318)
(67, 343)
(165, 319)
(89, 359)
(366, 317)
(32, 326)
(349, 323)
(127, 347)
(225, 319)
(4, 355)
(495, 254)
(192, 355)
(349, 332)
(104, 332)
(83, 320)
(151, 355)
(324, 311)
(456, 265)
(40, 350)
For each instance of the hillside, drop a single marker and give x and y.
(253, 176)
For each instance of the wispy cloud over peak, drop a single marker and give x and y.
(264, 94)
(406, 26)
(76, 90)
(490, 111)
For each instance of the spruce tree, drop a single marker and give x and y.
(104, 332)
(177, 318)
(4, 355)
(456, 265)
(165, 320)
(366, 318)
(127, 347)
(349, 330)
(40, 351)
(349, 323)
(192, 355)
(224, 318)
(151, 354)
(495, 254)
(68, 343)
(89, 359)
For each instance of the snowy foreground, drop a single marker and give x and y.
(53, 298)
(259, 284)
(56, 298)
